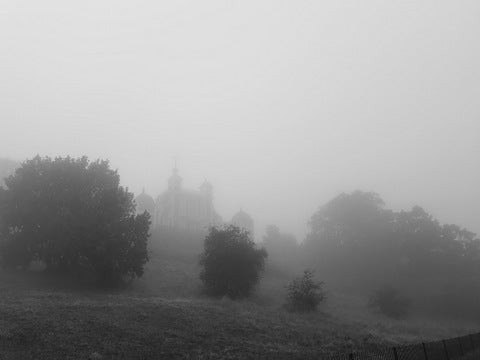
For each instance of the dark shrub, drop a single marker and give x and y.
(390, 302)
(231, 262)
(304, 293)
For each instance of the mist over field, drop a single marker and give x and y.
(341, 137)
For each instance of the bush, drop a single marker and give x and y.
(304, 293)
(74, 216)
(390, 302)
(231, 262)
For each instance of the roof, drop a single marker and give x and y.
(145, 202)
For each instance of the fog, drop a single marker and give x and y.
(281, 105)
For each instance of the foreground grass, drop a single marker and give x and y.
(164, 316)
(48, 325)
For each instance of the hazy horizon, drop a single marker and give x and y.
(281, 105)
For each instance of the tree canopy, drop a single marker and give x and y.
(231, 262)
(73, 215)
(355, 230)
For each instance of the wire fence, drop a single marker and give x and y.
(464, 347)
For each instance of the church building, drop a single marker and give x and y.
(181, 208)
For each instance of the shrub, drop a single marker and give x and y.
(304, 293)
(231, 262)
(390, 302)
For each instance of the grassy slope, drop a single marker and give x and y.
(165, 316)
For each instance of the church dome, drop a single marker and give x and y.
(243, 220)
(145, 203)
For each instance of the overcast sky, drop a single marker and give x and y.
(280, 104)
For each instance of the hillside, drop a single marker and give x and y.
(165, 316)
(68, 326)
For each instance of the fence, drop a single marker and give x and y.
(464, 347)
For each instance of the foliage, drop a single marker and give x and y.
(304, 293)
(231, 262)
(390, 302)
(355, 231)
(73, 215)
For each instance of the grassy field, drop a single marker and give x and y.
(165, 316)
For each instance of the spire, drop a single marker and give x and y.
(175, 181)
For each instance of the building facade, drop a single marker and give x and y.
(181, 208)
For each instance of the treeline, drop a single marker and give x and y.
(357, 244)
(359, 234)
(74, 217)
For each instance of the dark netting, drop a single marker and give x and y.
(411, 352)
(453, 348)
(435, 351)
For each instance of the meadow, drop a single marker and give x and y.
(165, 315)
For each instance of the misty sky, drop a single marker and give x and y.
(280, 104)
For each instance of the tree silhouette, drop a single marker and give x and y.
(231, 262)
(73, 215)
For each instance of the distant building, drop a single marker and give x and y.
(186, 209)
(181, 208)
(243, 220)
(145, 203)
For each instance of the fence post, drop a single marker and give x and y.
(425, 351)
(460, 346)
(395, 355)
(445, 348)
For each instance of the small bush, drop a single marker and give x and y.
(231, 262)
(390, 302)
(304, 293)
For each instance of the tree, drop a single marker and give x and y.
(74, 216)
(304, 293)
(355, 235)
(348, 218)
(352, 233)
(231, 262)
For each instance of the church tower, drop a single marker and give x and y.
(174, 188)
(174, 181)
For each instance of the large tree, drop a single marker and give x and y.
(73, 215)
